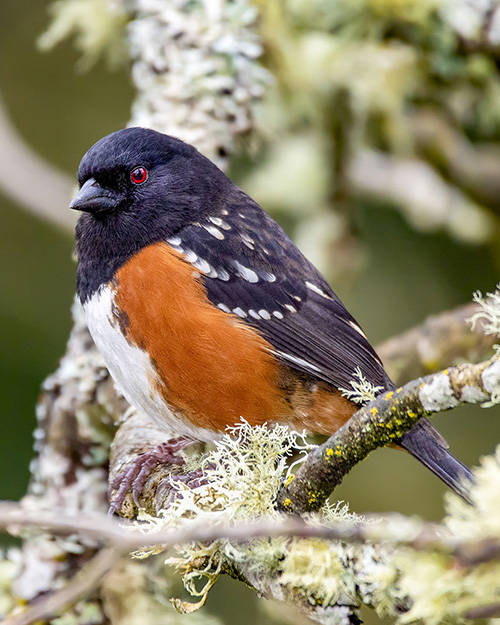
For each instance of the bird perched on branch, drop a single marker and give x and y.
(206, 312)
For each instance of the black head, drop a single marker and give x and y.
(137, 170)
(138, 186)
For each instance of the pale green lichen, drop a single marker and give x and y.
(97, 25)
(362, 391)
(489, 314)
(441, 589)
(243, 475)
(10, 565)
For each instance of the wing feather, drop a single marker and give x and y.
(249, 265)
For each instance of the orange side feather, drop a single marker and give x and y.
(212, 367)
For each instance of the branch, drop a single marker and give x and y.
(440, 341)
(381, 423)
(81, 584)
(129, 537)
(30, 180)
(424, 197)
(392, 531)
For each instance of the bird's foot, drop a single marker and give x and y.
(168, 492)
(135, 476)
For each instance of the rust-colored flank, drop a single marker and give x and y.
(212, 366)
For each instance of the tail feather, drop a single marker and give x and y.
(426, 448)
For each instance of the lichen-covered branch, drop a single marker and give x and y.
(324, 566)
(383, 422)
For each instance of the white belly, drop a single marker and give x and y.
(132, 370)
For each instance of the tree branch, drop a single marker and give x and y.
(440, 341)
(30, 180)
(52, 604)
(381, 423)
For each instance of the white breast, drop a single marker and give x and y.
(132, 370)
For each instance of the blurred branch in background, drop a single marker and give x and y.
(442, 340)
(32, 182)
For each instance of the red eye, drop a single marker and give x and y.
(139, 175)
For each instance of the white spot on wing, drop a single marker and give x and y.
(215, 232)
(240, 312)
(247, 240)
(224, 308)
(291, 308)
(268, 277)
(191, 257)
(203, 265)
(222, 274)
(278, 314)
(298, 361)
(174, 240)
(247, 274)
(253, 314)
(357, 328)
(317, 290)
(264, 314)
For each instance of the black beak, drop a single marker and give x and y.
(92, 198)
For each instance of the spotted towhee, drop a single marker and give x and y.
(203, 308)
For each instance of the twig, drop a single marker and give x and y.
(54, 603)
(382, 422)
(394, 529)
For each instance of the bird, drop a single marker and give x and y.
(207, 313)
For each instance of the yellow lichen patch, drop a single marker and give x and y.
(389, 395)
(329, 452)
(289, 480)
(374, 411)
(446, 372)
(399, 389)
(411, 414)
(287, 503)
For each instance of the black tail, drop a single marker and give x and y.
(426, 444)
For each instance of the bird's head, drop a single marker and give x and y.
(140, 179)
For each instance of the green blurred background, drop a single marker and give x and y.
(405, 276)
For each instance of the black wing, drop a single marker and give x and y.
(252, 269)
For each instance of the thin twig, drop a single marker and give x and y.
(394, 529)
(52, 604)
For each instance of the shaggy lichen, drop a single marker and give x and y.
(362, 391)
(242, 476)
(489, 313)
(97, 25)
(443, 589)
